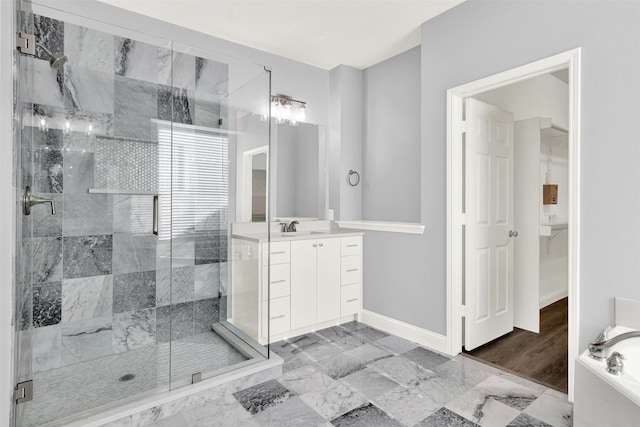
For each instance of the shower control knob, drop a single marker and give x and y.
(513, 233)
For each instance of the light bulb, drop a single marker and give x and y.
(302, 113)
(67, 127)
(43, 125)
(90, 130)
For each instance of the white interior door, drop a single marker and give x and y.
(489, 212)
(526, 292)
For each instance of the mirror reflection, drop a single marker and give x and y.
(297, 172)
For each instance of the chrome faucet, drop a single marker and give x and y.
(292, 226)
(615, 364)
(598, 349)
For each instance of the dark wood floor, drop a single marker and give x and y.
(541, 357)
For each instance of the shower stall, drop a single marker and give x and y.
(122, 147)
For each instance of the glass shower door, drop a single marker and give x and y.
(88, 282)
(244, 306)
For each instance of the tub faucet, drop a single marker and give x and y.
(598, 349)
(615, 364)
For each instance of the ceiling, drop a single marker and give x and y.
(325, 34)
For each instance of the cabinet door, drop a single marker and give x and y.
(328, 285)
(303, 283)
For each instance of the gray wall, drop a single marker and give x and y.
(345, 141)
(399, 282)
(481, 38)
(391, 139)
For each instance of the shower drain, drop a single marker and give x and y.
(127, 377)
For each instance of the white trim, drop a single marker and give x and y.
(404, 330)
(7, 227)
(553, 296)
(455, 98)
(392, 227)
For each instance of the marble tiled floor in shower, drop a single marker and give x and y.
(354, 375)
(83, 386)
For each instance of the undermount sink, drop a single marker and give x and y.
(295, 233)
(301, 233)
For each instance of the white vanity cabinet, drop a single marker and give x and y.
(313, 283)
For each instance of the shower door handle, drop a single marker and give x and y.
(156, 217)
(29, 200)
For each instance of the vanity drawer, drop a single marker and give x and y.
(279, 282)
(350, 270)
(351, 245)
(280, 253)
(279, 316)
(350, 299)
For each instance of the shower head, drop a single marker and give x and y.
(56, 61)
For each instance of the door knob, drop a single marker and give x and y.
(513, 233)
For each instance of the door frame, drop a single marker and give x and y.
(247, 181)
(455, 191)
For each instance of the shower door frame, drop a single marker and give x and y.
(7, 209)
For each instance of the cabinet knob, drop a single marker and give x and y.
(315, 245)
(321, 245)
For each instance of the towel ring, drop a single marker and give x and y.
(357, 178)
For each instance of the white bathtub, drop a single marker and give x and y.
(602, 399)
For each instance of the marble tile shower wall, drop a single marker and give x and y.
(102, 282)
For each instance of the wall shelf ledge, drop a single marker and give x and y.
(388, 226)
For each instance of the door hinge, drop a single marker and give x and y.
(23, 392)
(463, 126)
(26, 43)
(463, 310)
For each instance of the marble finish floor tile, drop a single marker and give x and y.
(306, 379)
(340, 366)
(445, 418)
(525, 420)
(334, 401)
(395, 344)
(551, 410)
(368, 353)
(426, 358)
(366, 416)
(370, 334)
(402, 371)
(370, 383)
(262, 396)
(223, 412)
(408, 405)
(294, 412)
(494, 401)
(342, 338)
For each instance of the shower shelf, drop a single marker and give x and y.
(115, 191)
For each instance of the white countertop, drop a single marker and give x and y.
(298, 235)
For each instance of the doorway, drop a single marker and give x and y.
(492, 287)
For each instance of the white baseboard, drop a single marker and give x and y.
(552, 297)
(404, 330)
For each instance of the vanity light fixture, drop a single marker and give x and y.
(285, 109)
